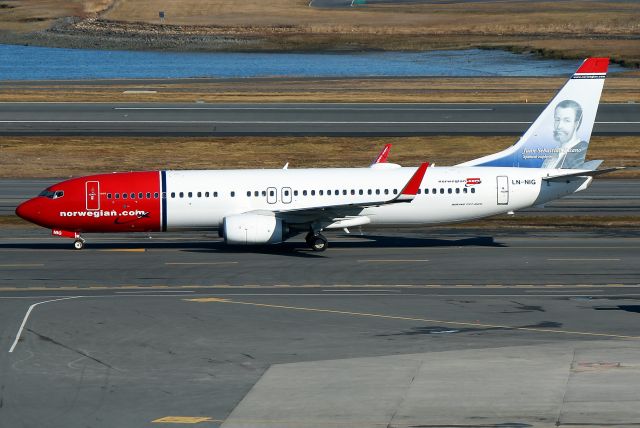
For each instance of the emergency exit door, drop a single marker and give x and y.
(93, 195)
(503, 190)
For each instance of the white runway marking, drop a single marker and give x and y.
(26, 317)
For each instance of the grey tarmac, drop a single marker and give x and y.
(363, 119)
(178, 329)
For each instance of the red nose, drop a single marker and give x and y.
(29, 210)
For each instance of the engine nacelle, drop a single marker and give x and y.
(253, 229)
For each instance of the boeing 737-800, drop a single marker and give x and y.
(267, 206)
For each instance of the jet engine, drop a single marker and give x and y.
(253, 229)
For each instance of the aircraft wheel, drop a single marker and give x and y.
(319, 243)
(78, 244)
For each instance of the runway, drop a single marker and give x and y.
(130, 119)
(606, 197)
(179, 329)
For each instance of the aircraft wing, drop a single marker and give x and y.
(341, 211)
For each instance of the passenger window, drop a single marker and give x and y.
(353, 192)
(320, 192)
(426, 191)
(295, 193)
(117, 195)
(442, 191)
(256, 193)
(190, 194)
(449, 191)
(395, 191)
(215, 194)
(155, 195)
(337, 192)
(286, 193)
(369, 192)
(304, 193)
(148, 195)
(272, 193)
(264, 193)
(464, 190)
(206, 194)
(457, 190)
(140, 195)
(173, 194)
(233, 194)
(108, 195)
(344, 191)
(124, 196)
(313, 193)
(377, 191)
(182, 194)
(386, 191)
(199, 194)
(419, 191)
(249, 193)
(360, 192)
(434, 191)
(328, 192)
(133, 195)
(473, 190)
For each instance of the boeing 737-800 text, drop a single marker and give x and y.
(267, 206)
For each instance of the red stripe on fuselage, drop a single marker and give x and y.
(140, 213)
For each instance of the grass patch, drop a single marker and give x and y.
(420, 90)
(75, 156)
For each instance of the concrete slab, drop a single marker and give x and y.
(527, 386)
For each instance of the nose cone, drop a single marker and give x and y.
(29, 210)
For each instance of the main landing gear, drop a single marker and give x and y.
(316, 241)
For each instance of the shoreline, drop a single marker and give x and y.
(156, 38)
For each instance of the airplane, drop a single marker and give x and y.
(268, 206)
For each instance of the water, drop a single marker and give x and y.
(39, 63)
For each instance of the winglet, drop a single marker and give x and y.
(411, 188)
(383, 155)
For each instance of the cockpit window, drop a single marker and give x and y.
(52, 194)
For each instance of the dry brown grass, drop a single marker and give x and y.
(35, 15)
(617, 89)
(74, 156)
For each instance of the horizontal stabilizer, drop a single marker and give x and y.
(583, 174)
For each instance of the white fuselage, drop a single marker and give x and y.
(202, 199)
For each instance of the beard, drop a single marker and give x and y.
(561, 136)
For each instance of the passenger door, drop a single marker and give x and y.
(92, 192)
(503, 190)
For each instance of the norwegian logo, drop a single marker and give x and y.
(472, 182)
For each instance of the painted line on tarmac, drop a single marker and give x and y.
(584, 260)
(314, 108)
(184, 420)
(26, 317)
(403, 318)
(10, 265)
(392, 260)
(199, 263)
(307, 286)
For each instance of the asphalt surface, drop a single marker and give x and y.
(128, 347)
(605, 197)
(128, 119)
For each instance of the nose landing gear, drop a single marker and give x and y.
(316, 241)
(78, 242)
